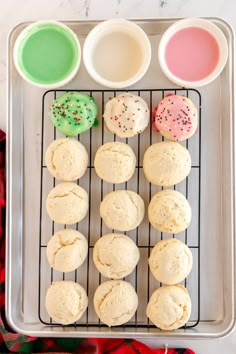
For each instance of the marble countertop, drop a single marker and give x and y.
(13, 12)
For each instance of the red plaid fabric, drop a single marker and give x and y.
(17, 343)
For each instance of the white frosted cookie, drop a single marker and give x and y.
(66, 159)
(126, 115)
(169, 307)
(115, 302)
(122, 210)
(67, 250)
(166, 163)
(170, 261)
(66, 301)
(169, 211)
(67, 203)
(115, 162)
(115, 255)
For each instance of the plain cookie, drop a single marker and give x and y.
(67, 203)
(115, 162)
(126, 115)
(169, 211)
(122, 210)
(166, 163)
(115, 255)
(170, 261)
(67, 250)
(169, 307)
(115, 302)
(66, 159)
(66, 301)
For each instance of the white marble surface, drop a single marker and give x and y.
(15, 11)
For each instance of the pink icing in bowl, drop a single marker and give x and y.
(193, 52)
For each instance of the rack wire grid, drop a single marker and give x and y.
(145, 236)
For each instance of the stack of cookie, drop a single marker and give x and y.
(67, 204)
(116, 255)
(166, 164)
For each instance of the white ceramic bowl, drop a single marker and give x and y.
(115, 30)
(203, 24)
(30, 29)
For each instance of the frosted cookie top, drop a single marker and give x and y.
(73, 113)
(126, 115)
(176, 118)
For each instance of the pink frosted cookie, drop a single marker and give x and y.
(176, 118)
(126, 115)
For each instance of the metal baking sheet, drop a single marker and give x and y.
(211, 234)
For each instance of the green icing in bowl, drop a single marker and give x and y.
(48, 53)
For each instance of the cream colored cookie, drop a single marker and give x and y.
(122, 210)
(169, 307)
(66, 301)
(115, 162)
(67, 250)
(126, 115)
(67, 203)
(166, 163)
(170, 261)
(66, 159)
(115, 255)
(169, 211)
(115, 302)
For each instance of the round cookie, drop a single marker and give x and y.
(73, 113)
(122, 210)
(67, 203)
(67, 250)
(169, 307)
(169, 211)
(176, 118)
(166, 163)
(115, 302)
(115, 255)
(66, 159)
(115, 162)
(66, 301)
(126, 115)
(170, 261)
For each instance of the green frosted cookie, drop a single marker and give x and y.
(73, 113)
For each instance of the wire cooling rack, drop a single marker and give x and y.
(145, 236)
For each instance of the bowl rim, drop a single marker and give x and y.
(202, 23)
(17, 46)
(96, 34)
